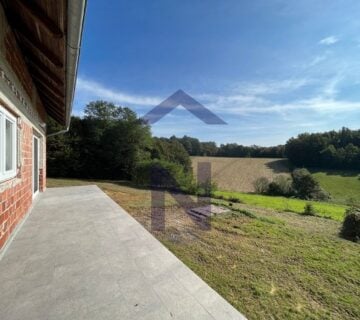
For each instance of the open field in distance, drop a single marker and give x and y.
(344, 186)
(239, 174)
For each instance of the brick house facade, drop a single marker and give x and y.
(36, 82)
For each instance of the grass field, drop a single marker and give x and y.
(344, 186)
(239, 174)
(268, 264)
(323, 209)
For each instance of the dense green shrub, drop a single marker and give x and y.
(309, 210)
(301, 184)
(206, 188)
(234, 199)
(306, 187)
(280, 186)
(261, 185)
(163, 174)
(171, 151)
(351, 226)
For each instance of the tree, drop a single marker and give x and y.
(306, 187)
(171, 150)
(338, 150)
(208, 148)
(106, 143)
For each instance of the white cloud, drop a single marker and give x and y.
(319, 104)
(316, 61)
(324, 100)
(272, 86)
(91, 90)
(249, 100)
(328, 41)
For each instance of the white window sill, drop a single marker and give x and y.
(9, 183)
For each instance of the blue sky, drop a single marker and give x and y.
(270, 68)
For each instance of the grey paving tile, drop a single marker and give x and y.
(88, 259)
(175, 297)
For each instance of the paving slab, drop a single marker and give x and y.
(81, 256)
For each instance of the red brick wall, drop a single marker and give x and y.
(16, 193)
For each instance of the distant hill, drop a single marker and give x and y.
(343, 185)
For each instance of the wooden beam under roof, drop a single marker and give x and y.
(36, 63)
(35, 44)
(53, 110)
(56, 116)
(45, 90)
(40, 16)
(56, 92)
(45, 79)
(50, 105)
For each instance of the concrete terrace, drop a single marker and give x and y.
(80, 256)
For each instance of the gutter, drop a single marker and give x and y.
(76, 13)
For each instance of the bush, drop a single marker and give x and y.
(234, 199)
(261, 185)
(351, 226)
(281, 186)
(206, 189)
(320, 194)
(171, 151)
(306, 187)
(309, 210)
(163, 174)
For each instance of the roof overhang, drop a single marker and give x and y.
(49, 36)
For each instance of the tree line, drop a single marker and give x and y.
(331, 150)
(195, 147)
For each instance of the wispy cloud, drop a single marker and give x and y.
(328, 41)
(246, 99)
(272, 86)
(315, 61)
(93, 90)
(317, 104)
(322, 100)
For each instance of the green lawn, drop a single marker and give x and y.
(267, 264)
(323, 209)
(344, 186)
(277, 270)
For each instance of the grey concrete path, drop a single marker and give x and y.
(80, 256)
